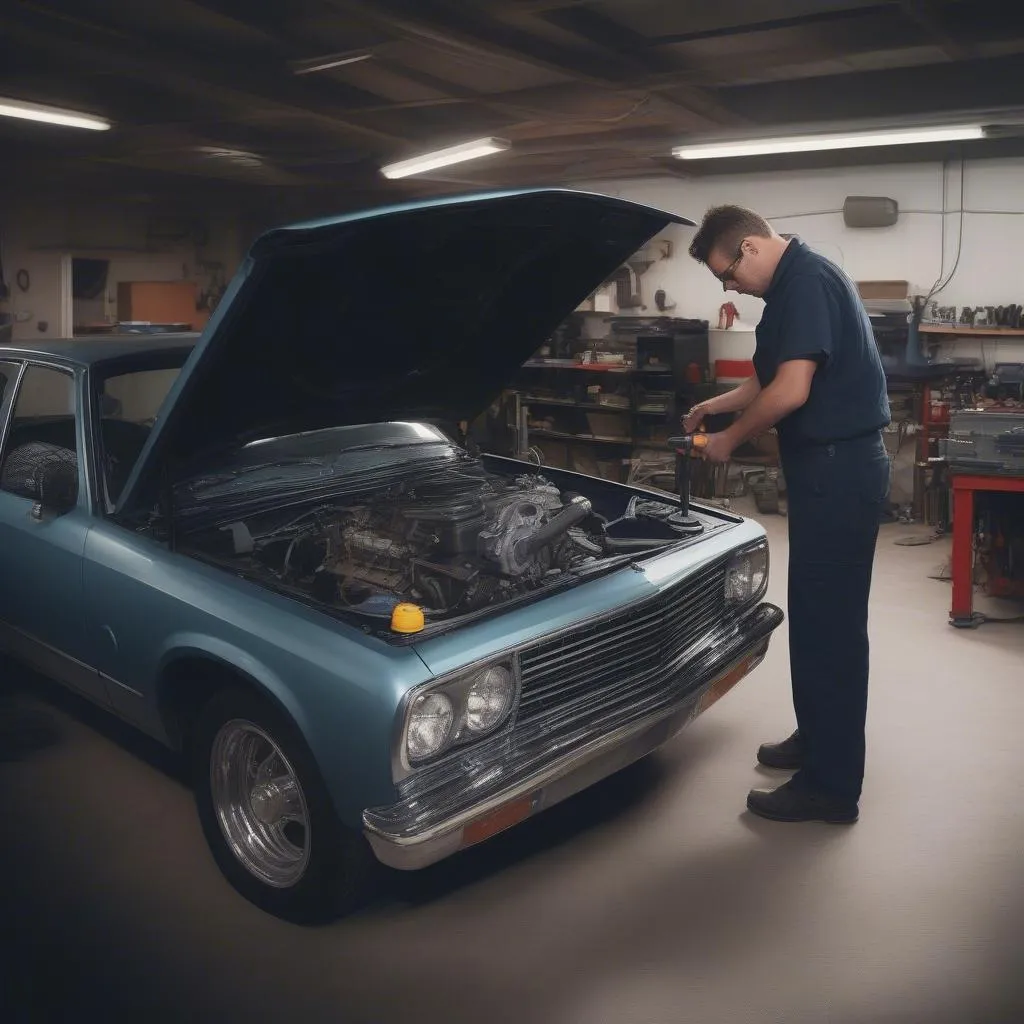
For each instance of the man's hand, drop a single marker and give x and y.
(693, 419)
(731, 401)
(719, 447)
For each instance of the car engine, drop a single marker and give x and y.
(452, 542)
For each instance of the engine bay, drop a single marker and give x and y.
(454, 540)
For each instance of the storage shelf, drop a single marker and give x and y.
(656, 379)
(555, 364)
(565, 364)
(570, 403)
(573, 404)
(559, 435)
(972, 332)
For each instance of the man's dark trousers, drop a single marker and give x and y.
(836, 494)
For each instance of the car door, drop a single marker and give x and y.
(41, 601)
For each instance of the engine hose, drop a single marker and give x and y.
(576, 511)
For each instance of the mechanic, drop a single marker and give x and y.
(818, 380)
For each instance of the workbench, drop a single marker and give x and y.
(964, 486)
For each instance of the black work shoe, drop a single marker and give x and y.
(786, 756)
(795, 802)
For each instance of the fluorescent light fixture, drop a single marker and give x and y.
(334, 60)
(444, 157)
(50, 115)
(813, 143)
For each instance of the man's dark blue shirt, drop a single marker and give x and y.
(813, 311)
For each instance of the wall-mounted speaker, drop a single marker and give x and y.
(870, 212)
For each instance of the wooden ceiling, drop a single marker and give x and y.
(215, 97)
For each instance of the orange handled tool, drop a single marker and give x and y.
(686, 443)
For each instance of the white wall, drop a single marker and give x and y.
(990, 272)
(141, 394)
(174, 266)
(35, 238)
(38, 313)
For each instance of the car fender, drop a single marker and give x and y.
(181, 646)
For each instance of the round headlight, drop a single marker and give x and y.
(488, 699)
(430, 725)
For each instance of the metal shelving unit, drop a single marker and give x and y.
(653, 388)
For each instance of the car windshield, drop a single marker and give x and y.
(128, 404)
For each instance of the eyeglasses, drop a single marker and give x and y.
(726, 275)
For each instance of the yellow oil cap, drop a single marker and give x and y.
(407, 618)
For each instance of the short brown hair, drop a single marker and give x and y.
(725, 227)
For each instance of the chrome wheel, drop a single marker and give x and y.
(259, 804)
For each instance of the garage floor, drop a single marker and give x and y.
(652, 898)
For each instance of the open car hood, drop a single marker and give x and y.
(423, 311)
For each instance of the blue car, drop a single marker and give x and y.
(269, 548)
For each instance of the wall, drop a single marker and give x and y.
(41, 304)
(810, 203)
(173, 266)
(36, 239)
(140, 394)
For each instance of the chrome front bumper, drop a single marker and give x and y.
(408, 836)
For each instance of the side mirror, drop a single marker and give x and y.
(45, 474)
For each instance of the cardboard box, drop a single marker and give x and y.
(884, 289)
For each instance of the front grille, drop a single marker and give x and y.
(617, 661)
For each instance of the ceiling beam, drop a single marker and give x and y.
(448, 25)
(926, 16)
(99, 48)
(770, 25)
(992, 84)
(634, 51)
(450, 92)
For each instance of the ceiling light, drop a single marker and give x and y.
(813, 143)
(51, 115)
(444, 157)
(334, 60)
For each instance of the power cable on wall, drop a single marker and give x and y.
(934, 213)
(942, 242)
(940, 283)
(936, 288)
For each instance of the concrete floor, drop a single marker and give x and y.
(651, 898)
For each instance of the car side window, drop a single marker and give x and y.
(42, 430)
(8, 378)
(128, 406)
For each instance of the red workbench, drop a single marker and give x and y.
(964, 487)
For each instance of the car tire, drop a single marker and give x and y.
(267, 816)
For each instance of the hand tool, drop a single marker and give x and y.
(684, 445)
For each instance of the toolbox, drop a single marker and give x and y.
(982, 441)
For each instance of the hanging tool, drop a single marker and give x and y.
(684, 445)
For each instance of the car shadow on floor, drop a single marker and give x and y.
(600, 805)
(24, 730)
(628, 792)
(32, 707)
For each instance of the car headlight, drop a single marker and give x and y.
(488, 699)
(430, 725)
(746, 576)
(458, 710)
